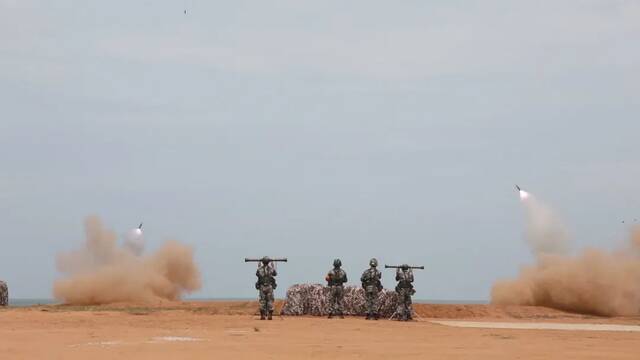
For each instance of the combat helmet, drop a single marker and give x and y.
(337, 263)
(265, 260)
(405, 267)
(373, 262)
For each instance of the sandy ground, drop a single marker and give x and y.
(536, 325)
(230, 330)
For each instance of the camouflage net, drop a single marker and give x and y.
(313, 299)
(4, 294)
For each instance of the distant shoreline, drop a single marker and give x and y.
(22, 302)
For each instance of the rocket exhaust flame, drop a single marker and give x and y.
(523, 194)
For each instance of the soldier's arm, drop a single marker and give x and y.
(345, 276)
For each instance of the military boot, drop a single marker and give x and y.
(376, 316)
(368, 316)
(341, 315)
(330, 315)
(270, 315)
(261, 314)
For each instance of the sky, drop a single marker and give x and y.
(316, 130)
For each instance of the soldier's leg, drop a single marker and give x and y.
(403, 301)
(375, 305)
(270, 302)
(409, 307)
(332, 301)
(367, 303)
(340, 302)
(263, 304)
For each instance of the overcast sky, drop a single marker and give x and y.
(315, 130)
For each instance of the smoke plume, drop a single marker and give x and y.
(102, 272)
(593, 282)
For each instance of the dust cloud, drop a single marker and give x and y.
(102, 272)
(594, 281)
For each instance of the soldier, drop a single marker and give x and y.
(404, 277)
(371, 284)
(335, 280)
(265, 285)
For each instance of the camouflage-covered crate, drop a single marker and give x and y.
(313, 299)
(4, 294)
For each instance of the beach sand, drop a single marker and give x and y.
(231, 330)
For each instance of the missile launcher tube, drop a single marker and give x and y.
(400, 267)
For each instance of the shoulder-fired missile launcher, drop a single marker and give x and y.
(403, 267)
(265, 259)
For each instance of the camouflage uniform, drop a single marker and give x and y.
(335, 280)
(4, 294)
(372, 286)
(404, 277)
(265, 285)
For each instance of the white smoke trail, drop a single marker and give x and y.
(546, 234)
(134, 241)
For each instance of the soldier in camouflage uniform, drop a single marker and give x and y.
(4, 294)
(372, 286)
(335, 280)
(404, 277)
(265, 285)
